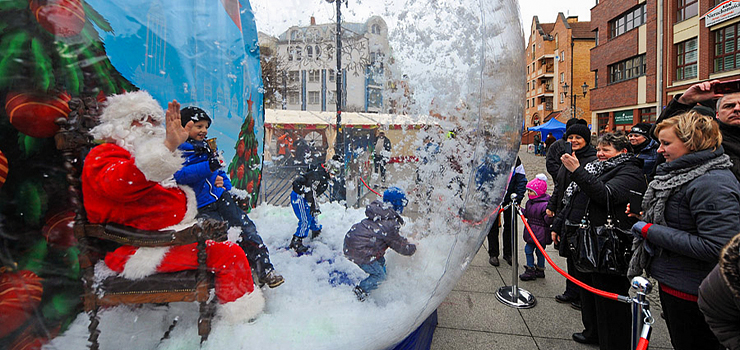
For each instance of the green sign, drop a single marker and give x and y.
(623, 117)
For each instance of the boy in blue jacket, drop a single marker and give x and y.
(202, 172)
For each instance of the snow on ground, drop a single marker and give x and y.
(315, 308)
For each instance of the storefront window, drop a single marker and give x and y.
(686, 60)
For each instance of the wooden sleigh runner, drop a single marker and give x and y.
(95, 240)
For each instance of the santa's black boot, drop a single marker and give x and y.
(297, 244)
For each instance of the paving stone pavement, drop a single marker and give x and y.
(472, 318)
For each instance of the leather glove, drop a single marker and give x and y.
(637, 231)
(214, 163)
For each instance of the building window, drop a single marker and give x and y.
(726, 53)
(314, 97)
(596, 79)
(314, 75)
(291, 51)
(294, 35)
(562, 56)
(562, 98)
(309, 52)
(330, 52)
(527, 103)
(562, 77)
(294, 98)
(596, 31)
(298, 52)
(293, 76)
(686, 67)
(627, 69)
(687, 9)
(318, 52)
(647, 115)
(603, 119)
(375, 29)
(332, 76)
(331, 96)
(628, 21)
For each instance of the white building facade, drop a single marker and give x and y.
(308, 80)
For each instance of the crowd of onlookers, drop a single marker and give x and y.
(669, 193)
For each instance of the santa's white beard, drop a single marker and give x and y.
(131, 139)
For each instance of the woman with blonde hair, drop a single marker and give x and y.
(691, 212)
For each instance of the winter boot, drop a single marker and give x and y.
(272, 279)
(360, 293)
(297, 244)
(539, 272)
(315, 234)
(529, 274)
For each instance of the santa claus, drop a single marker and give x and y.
(129, 180)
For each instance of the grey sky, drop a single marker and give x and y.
(274, 17)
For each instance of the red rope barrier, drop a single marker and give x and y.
(642, 344)
(598, 292)
(368, 187)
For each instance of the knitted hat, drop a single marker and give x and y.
(574, 121)
(195, 114)
(538, 185)
(396, 197)
(642, 129)
(580, 130)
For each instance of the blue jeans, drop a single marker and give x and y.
(226, 209)
(529, 250)
(377, 272)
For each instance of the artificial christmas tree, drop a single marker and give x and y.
(245, 169)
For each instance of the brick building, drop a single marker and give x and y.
(625, 61)
(557, 60)
(700, 41)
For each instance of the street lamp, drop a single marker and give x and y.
(573, 97)
(339, 142)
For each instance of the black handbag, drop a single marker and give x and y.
(602, 249)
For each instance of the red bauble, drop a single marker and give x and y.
(21, 293)
(3, 168)
(59, 229)
(240, 172)
(240, 149)
(34, 114)
(250, 186)
(59, 17)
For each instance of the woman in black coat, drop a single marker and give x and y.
(598, 186)
(579, 138)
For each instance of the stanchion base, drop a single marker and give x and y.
(525, 300)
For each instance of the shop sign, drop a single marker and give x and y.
(722, 12)
(623, 117)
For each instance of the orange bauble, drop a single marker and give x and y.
(21, 293)
(59, 17)
(59, 229)
(34, 114)
(3, 168)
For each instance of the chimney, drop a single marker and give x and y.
(313, 20)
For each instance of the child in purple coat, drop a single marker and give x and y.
(534, 211)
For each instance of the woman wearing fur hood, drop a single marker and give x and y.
(719, 296)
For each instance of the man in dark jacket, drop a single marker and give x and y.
(307, 187)
(557, 148)
(700, 97)
(644, 147)
(719, 296)
(518, 185)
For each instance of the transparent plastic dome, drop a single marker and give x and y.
(442, 80)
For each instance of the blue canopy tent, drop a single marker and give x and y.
(553, 126)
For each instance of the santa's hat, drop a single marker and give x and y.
(121, 110)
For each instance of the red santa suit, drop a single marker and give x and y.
(131, 183)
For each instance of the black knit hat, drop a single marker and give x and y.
(195, 114)
(642, 129)
(574, 121)
(580, 130)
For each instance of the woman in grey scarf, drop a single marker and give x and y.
(691, 212)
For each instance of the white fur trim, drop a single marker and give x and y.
(246, 308)
(121, 110)
(156, 161)
(144, 262)
(190, 213)
(238, 194)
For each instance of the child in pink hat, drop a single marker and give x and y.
(534, 211)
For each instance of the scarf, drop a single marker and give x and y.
(659, 190)
(596, 168)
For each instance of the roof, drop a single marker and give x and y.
(282, 117)
(582, 30)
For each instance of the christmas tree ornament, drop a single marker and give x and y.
(20, 294)
(3, 168)
(35, 114)
(64, 18)
(59, 229)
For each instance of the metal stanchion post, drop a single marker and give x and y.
(513, 295)
(640, 307)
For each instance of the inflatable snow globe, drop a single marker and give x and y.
(369, 145)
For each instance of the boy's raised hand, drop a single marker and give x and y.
(176, 133)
